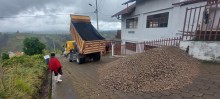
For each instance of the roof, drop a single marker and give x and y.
(132, 7)
(128, 2)
(188, 2)
(127, 10)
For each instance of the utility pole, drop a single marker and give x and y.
(97, 15)
(54, 47)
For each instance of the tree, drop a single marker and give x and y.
(5, 56)
(33, 46)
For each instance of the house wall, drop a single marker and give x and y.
(216, 20)
(146, 6)
(151, 7)
(204, 50)
(181, 16)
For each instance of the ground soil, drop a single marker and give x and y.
(80, 82)
(154, 70)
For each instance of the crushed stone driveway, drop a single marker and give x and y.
(81, 82)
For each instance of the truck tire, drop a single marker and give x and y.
(80, 60)
(70, 60)
(70, 57)
(96, 57)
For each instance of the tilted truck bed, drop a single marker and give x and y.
(86, 36)
(86, 31)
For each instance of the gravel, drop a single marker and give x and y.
(154, 70)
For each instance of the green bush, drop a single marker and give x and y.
(33, 46)
(2, 94)
(5, 56)
(23, 76)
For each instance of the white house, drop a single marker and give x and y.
(147, 20)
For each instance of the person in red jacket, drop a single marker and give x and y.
(56, 67)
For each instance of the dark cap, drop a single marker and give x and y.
(52, 54)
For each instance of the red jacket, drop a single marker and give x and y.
(54, 64)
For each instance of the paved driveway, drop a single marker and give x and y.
(80, 82)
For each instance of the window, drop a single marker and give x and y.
(157, 20)
(131, 23)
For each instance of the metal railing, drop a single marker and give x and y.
(132, 47)
(202, 23)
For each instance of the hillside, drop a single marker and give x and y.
(108, 34)
(14, 41)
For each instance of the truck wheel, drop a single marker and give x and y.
(80, 60)
(96, 57)
(70, 57)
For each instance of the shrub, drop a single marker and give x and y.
(5, 56)
(23, 76)
(3, 94)
(33, 46)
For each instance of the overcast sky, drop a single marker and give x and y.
(16, 14)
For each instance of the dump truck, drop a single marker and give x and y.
(88, 42)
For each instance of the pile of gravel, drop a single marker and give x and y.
(154, 70)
